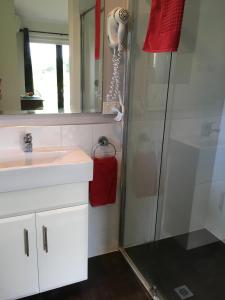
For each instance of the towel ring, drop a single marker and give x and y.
(103, 142)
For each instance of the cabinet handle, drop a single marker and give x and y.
(45, 238)
(26, 242)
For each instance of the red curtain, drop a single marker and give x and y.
(97, 29)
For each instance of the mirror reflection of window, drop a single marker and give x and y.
(58, 53)
(45, 70)
(43, 57)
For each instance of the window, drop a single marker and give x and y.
(51, 77)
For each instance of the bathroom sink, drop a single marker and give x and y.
(17, 159)
(43, 167)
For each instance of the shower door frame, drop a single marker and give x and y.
(166, 131)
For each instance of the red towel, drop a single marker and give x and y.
(103, 186)
(164, 26)
(97, 29)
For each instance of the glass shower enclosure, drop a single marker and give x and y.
(174, 208)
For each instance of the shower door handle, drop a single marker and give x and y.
(45, 238)
(26, 242)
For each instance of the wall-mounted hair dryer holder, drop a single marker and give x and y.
(117, 38)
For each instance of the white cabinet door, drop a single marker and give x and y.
(62, 239)
(18, 257)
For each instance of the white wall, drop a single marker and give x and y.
(44, 26)
(9, 25)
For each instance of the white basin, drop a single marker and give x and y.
(43, 167)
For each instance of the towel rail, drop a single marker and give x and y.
(103, 142)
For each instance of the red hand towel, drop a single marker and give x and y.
(164, 26)
(103, 186)
(97, 29)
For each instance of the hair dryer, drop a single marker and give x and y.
(116, 28)
(117, 20)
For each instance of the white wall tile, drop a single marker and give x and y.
(45, 136)
(103, 229)
(77, 136)
(11, 137)
(104, 224)
(112, 131)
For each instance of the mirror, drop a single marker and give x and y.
(48, 57)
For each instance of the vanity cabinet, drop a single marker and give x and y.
(43, 220)
(43, 251)
(62, 246)
(18, 257)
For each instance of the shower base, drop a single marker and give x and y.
(195, 260)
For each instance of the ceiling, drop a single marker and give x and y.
(52, 11)
(49, 11)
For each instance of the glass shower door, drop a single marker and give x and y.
(147, 106)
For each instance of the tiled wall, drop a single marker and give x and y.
(103, 221)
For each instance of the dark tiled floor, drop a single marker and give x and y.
(170, 263)
(110, 278)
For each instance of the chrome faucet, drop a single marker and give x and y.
(28, 147)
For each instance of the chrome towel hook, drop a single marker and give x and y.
(103, 142)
